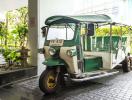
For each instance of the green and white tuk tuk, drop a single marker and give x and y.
(71, 50)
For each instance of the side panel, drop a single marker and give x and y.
(92, 63)
(71, 61)
(118, 58)
(106, 57)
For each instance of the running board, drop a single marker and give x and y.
(94, 77)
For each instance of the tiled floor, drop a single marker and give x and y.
(117, 87)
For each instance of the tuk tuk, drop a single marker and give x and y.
(71, 50)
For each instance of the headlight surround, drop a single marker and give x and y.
(52, 51)
(71, 52)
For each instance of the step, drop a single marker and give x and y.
(95, 75)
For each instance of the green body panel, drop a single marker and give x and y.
(102, 43)
(106, 45)
(99, 44)
(92, 64)
(124, 43)
(115, 41)
(93, 44)
(53, 62)
(83, 38)
(124, 40)
(88, 44)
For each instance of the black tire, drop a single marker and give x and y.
(126, 66)
(131, 63)
(48, 77)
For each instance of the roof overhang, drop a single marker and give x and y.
(78, 19)
(60, 19)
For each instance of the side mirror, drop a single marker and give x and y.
(91, 29)
(44, 30)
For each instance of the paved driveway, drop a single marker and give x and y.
(117, 87)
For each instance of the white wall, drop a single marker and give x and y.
(57, 7)
(119, 10)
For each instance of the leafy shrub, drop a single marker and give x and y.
(11, 55)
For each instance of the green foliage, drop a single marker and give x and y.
(102, 31)
(6, 52)
(3, 33)
(116, 30)
(11, 55)
(2, 29)
(13, 32)
(18, 26)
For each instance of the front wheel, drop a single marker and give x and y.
(49, 81)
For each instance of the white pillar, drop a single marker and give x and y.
(33, 31)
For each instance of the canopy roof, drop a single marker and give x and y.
(77, 19)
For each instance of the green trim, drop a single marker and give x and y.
(92, 64)
(88, 43)
(53, 62)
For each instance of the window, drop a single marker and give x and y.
(61, 31)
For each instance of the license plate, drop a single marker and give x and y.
(56, 42)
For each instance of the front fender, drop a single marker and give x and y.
(53, 62)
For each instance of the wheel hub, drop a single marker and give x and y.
(51, 82)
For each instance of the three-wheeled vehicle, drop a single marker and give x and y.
(71, 50)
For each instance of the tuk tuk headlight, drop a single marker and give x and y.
(71, 52)
(52, 51)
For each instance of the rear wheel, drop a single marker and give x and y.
(126, 65)
(49, 81)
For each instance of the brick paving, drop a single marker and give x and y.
(117, 87)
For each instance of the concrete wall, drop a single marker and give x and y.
(33, 31)
(119, 10)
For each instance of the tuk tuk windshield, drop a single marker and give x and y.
(61, 31)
